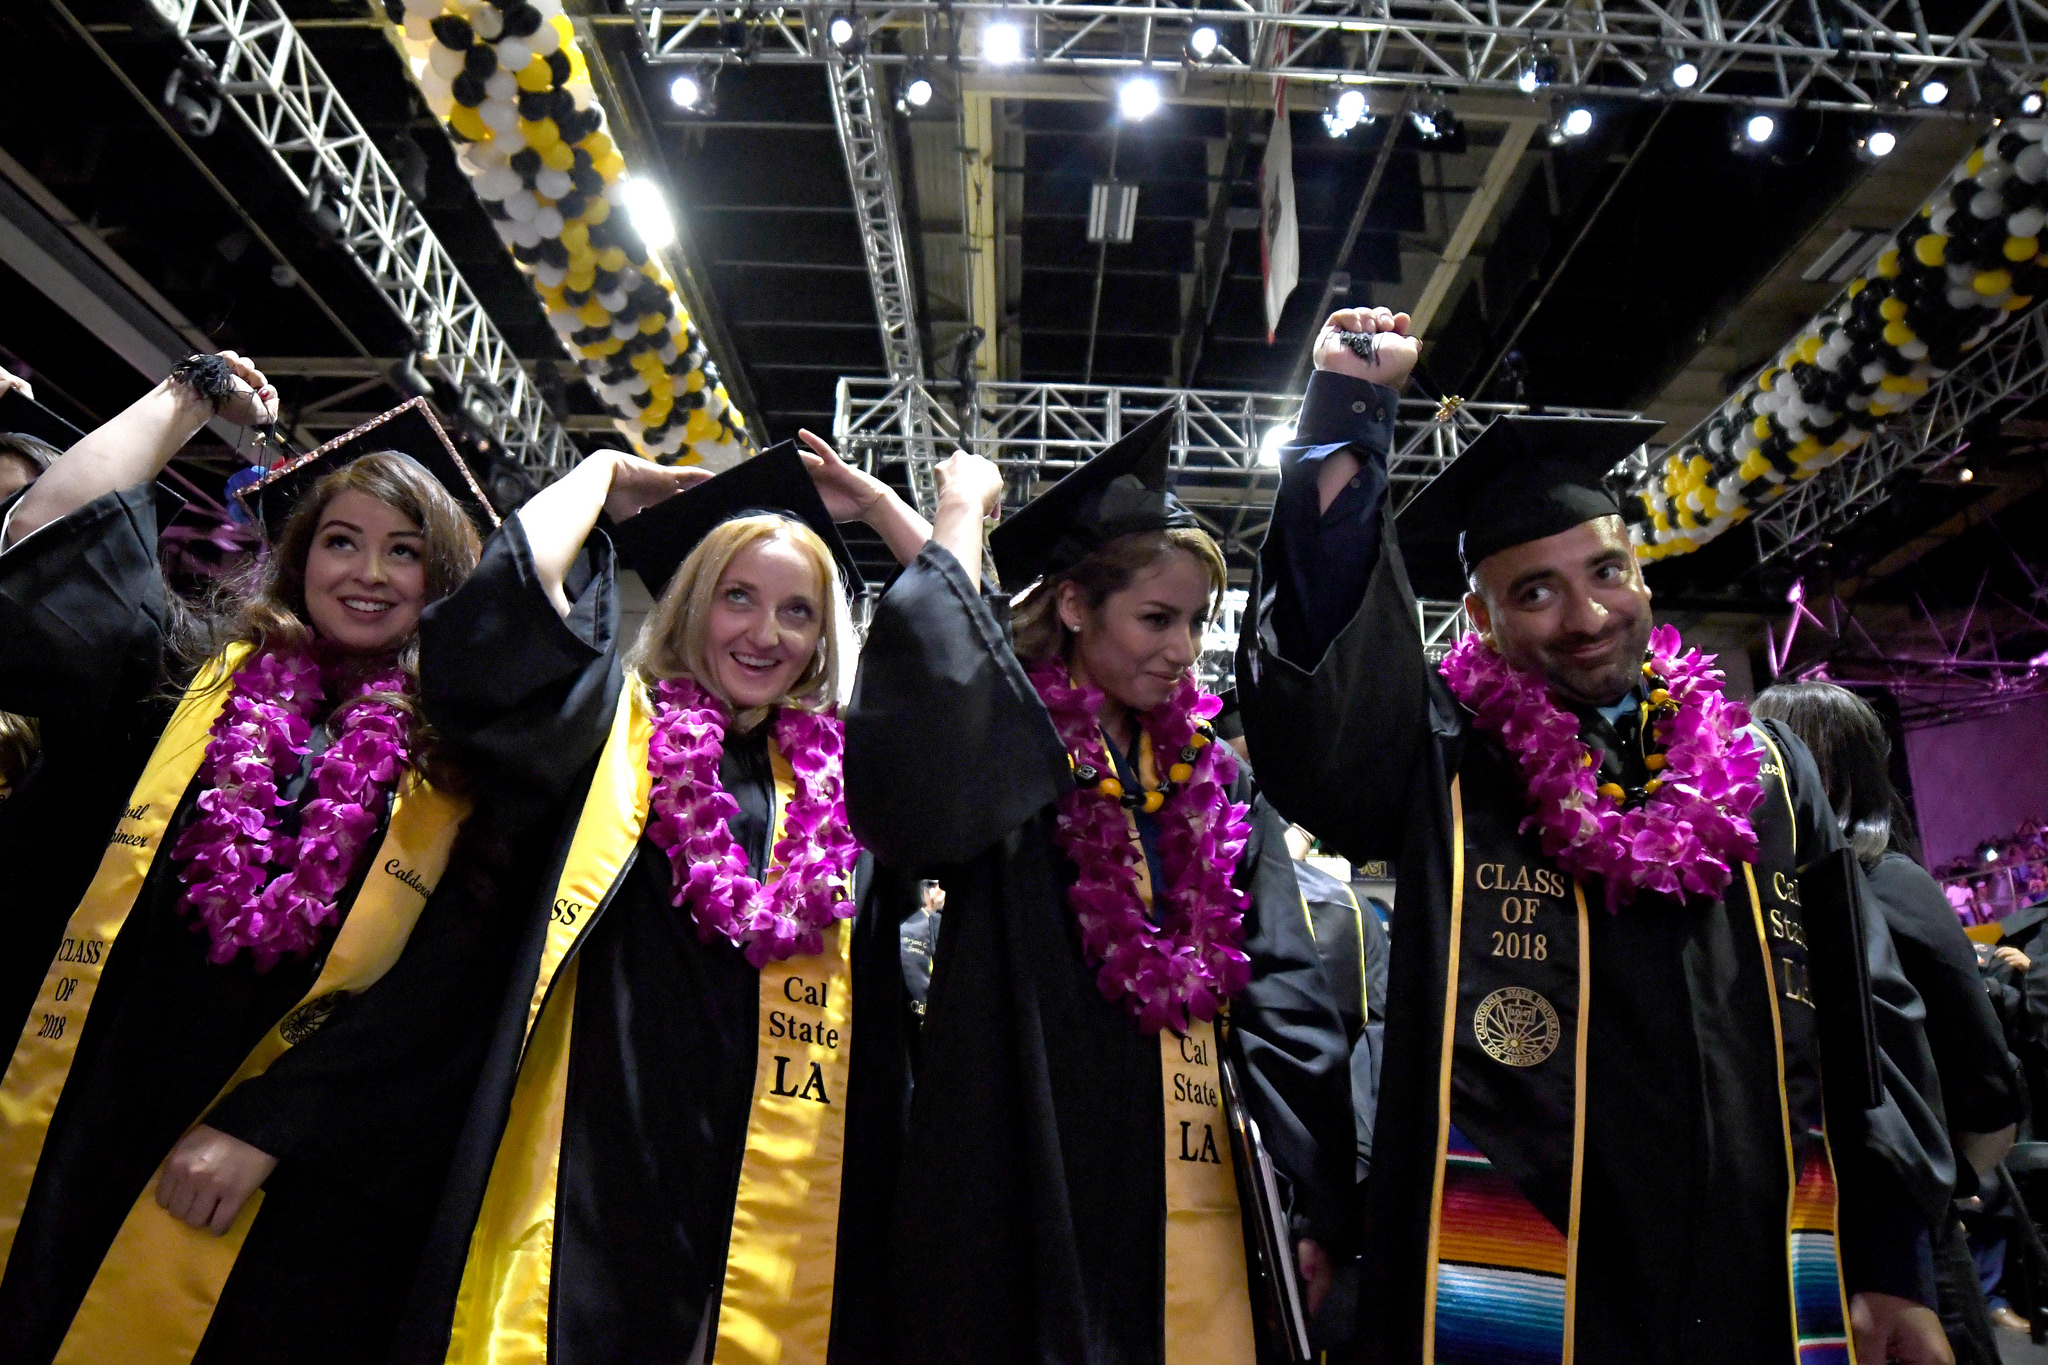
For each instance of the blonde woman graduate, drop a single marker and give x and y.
(1124, 948)
(682, 1148)
(234, 1095)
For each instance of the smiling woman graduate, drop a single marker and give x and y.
(1115, 892)
(245, 1064)
(682, 1146)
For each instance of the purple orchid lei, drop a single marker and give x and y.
(1185, 969)
(234, 846)
(689, 808)
(1685, 838)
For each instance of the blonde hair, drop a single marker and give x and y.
(1038, 630)
(672, 642)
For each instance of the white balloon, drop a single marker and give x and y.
(667, 354)
(1958, 273)
(2031, 164)
(514, 54)
(548, 9)
(1915, 349)
(2026, 223)
(548, 222)
(502, 86)
(1938, 224)
(418, 26)
(530, 234)
(553, 184)
(1962, 296)
(522, 205)
(563, 322)
(499, 182)
(488, 21)
(625, 328)
(1874, 373)
(500, 116)
(613, 301)
(1987, 205)
(544, 40)
(445, 61)
(440, 98)
(1994, 176)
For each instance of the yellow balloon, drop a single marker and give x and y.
(1931, 249)
(1888, 262)
(612, 258)
(694, 380)
(576, 237)
(536, 76)
(593, 314)
(611, 166)
(559, 157)
(598, 144)
(579, 279)
(2022, 248)
(540, 134)
(1891, 310)
(699, 427)
(1992, 282)
(468, 122)
(596, 211)
(1809, 349)
(1897, 333)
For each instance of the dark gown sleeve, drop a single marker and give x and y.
(526, 698)
(1897, 1174)
(1339, 703)
(83, 610)
(948, 747)
(1296, 1059)
(1980, 1087)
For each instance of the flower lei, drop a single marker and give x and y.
(1682, 831)
(687, 814)
(234, 846)
(1186, 968)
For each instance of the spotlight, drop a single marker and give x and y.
(1965, 474)
(1276, 436)
(1002, 43)
(1202, 42)
(844, 31)
(1138, 98)
(2032, 103)
(917, 90)
(1684, 74)
(1347, 110)
(1437, 126)
(644, 205)
(1673, 76)
(1536, 69)
(193, 108)
(1754, 130)
(1573, 122)
(690, 91)
(1932, 91)
(1877, 144)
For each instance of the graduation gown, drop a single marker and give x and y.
(1681, 1225)
(660, 1029)
(360, 1110)
(1029, 1219)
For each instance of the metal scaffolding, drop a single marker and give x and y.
(1223, 465)
(256, 60)
(1778, 53)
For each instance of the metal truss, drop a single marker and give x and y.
(1037, 432)
(860, 110)
(2009, 371)
(1845, 55)
(255, 58)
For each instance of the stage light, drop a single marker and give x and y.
(1346, 111)
(1138, 98)
(2032, 103)
(1877, 144)
(686, 91)
(1577, 121)
(1933, 90)
(1269, 444)
(1437, 126)
(1754, 130)
(648, 210)
(1002, 43)
(1684, 75)
(1536, 69)
(1965, 474)
(1673, 76)
(1202, 42)
(917, 91)
(844, 31)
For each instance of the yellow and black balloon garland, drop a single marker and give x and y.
(510, 83)
(1964, 265)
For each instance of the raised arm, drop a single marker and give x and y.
(855, 495)
(559, 519)
(134, 447)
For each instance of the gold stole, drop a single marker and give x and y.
(154, 1294)
(776, 1302)
(1208, 1311)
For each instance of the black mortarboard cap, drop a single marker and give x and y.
(655, 543)
(19, 412)
(1120, 492)
(410, 429)
(1522, 479)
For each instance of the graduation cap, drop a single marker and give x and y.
(655, 543)
(1522, 479)
(410, 429)
(20, 413)
(1120, 492)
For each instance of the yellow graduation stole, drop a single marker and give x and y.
(155, 1291)
(776, 1300)
(1208, 1310)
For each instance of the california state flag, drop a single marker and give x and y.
(1279, 235)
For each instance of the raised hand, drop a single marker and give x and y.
(849, 493)
(1394, 351)
(251, 400)
(638, 484)
(971, 479)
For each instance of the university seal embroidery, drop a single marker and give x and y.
(1516, 1026)
(305, 1021)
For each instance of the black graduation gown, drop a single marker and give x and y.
(663, 1044)
(1029, 1222)
(361, 1115)
(1682, 1235)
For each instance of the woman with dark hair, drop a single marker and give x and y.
(1125, 966)
(1980, 1086)
(240, 1075)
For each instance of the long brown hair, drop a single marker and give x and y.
(672, 640)
(1039, 632)
(265, 606)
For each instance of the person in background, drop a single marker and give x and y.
(920, 939)
(23, 458)
(1980, 1083)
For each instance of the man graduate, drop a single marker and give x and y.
(1601, 1135)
